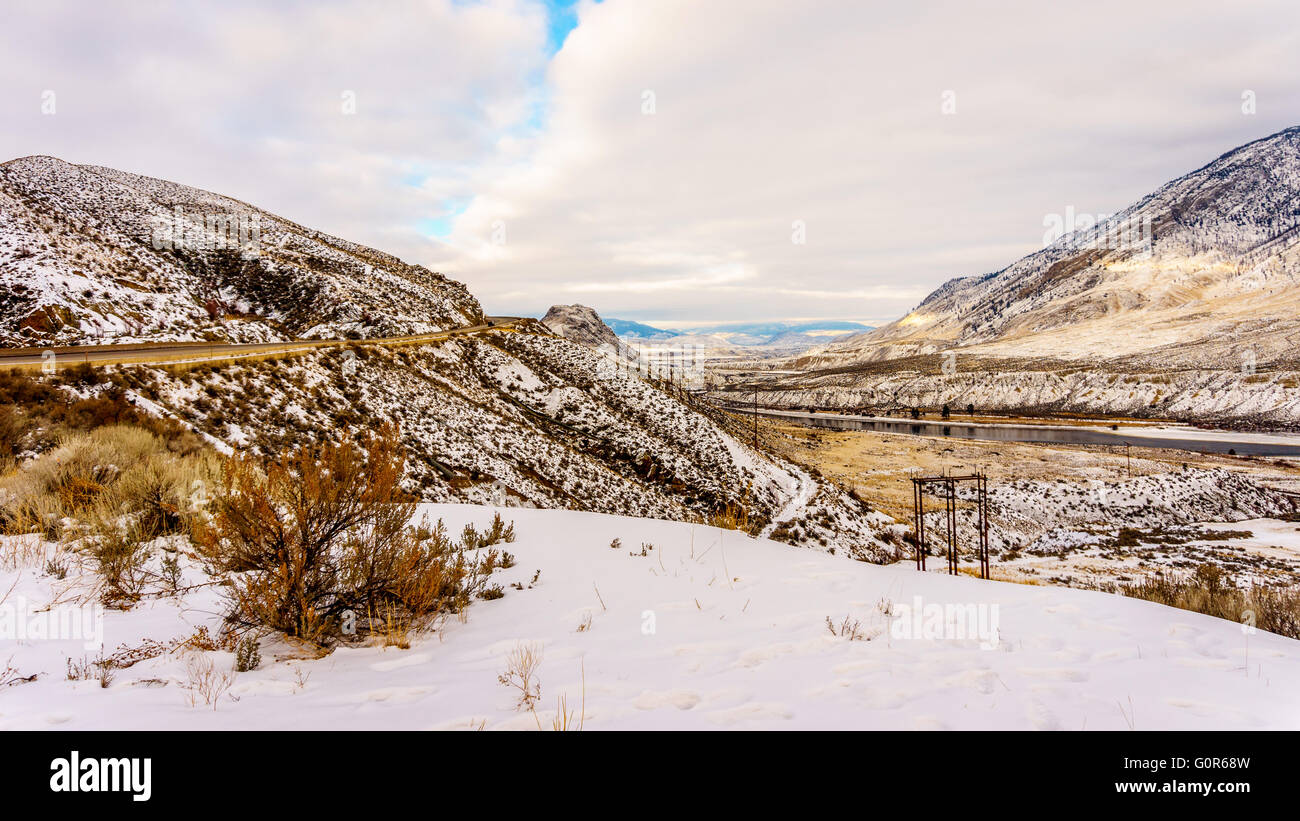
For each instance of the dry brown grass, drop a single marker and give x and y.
(566, 720)
(393, 630)
(106, 495)
(110, 472)
(1208, 590)
(731, 516)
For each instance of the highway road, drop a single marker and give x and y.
(147, 353)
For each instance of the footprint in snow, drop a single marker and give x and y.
(1041, 717)
(752, 711)
(397, 695)
(1054, 673)
(653, 700)
(405, 660)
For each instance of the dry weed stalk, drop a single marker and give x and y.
(521, 674)
(205, 683)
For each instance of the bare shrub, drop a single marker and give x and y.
(497, 532)
(323, 533)
(248, 654)
(13, 431)
(9, 674)
(87, 669)
(201, 640)
(119, 553)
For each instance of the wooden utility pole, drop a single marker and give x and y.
(756, 418)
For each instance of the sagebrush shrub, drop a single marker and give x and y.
(322, 536)
(247, 654)
(119, 552)
(119, 471)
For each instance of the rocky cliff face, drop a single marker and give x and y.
(578, 323)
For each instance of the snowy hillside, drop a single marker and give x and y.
(95, 255)
(518, 418)
(1223, 396)
(680, 626)
(1197, 273)
(1043, 517)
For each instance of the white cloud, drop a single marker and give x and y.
(765, 113)
(246, 99)
(830, 113)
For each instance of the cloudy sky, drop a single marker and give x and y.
(674, 162)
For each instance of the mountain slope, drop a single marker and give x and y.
(514, 416)
(1196, 273)
(519, 418)
(91, 254)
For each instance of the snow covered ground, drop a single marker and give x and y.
(686, 626)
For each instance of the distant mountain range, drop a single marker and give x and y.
(636, 330)
(787, 335)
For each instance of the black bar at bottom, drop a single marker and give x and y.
(241, 772)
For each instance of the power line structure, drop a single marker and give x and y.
(945, 487)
